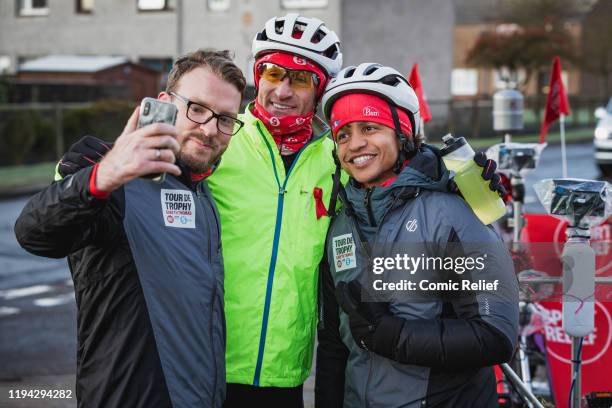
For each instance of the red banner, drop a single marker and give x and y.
(415, 82)
(556, 100)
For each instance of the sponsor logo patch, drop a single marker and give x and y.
(343, 248)
(178, 208)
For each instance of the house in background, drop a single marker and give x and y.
(154, 32)
(70, 78)
(436, 34)
(149, 32)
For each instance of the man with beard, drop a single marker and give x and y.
(146, 257)
(271, 189)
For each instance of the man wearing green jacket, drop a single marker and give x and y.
(271, 189)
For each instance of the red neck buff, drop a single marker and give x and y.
(290, 132)
(195, 177)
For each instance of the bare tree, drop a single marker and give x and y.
(530, 34)
(528, 49)
(549, 14)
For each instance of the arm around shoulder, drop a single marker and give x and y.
(61, 218)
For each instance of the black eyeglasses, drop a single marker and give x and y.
(201, 114)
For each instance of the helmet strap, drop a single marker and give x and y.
(336, 185)
(407, 149)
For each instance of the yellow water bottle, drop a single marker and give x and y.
(458, 156)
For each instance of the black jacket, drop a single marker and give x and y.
(148, 278)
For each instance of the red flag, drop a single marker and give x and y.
(556, 100)
(415, 82)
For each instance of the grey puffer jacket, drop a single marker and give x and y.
(449, 340)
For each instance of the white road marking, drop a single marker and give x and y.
(7, 311)
(55, 301)
(22, 292)
(531, 199)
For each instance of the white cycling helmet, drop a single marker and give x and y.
(376, 79)
(317, 42)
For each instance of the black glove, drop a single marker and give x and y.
(364, 317)
(488, 174)
(86, 152)
(372, 325)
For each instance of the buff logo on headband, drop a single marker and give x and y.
(359, 107)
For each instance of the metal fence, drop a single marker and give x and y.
(474, 118)
(31, 133)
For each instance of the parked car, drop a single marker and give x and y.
(603, 138)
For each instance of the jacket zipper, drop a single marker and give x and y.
(368, 206)
(212, 340)
(367, 201)
(279, 217)
(200, 192)
(365, 394)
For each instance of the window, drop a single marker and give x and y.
(218, 5)
(464, 82)
(155, 5)
(302, 4)
(84, 6)
(5, 64)
(33, 7)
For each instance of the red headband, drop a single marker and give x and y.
(291, 61)
(361, 107)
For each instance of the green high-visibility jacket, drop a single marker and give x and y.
(272, 246)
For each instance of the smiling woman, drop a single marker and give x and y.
(397, 201)
(367, 151)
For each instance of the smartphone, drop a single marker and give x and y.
(156, 111)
